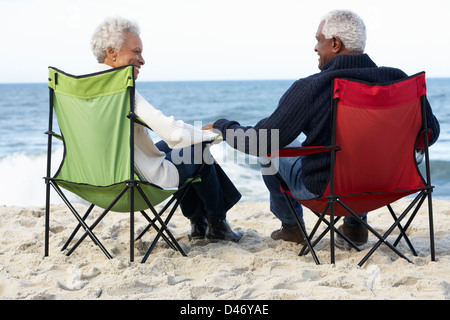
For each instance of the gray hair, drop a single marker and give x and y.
(111, 34)
(347, 26)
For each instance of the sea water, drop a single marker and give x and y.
(24, 119)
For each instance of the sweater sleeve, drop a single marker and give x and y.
(176, 133)
(432, 123)
(271, 133)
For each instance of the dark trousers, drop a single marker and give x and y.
(213, 196)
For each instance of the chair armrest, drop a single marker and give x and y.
(138, 120)
(54, 134)
(302, 151)
(420, 143)
(215, 140)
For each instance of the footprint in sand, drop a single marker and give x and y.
(77, 278)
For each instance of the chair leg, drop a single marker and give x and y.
(131, 187)
(423, 195)
(343, 236)
(163, 224)
(302, 229)
(152, 224)
(332, 257)
(132, 236)
(160, 233)
(431, 226)
(305, 249)
(88, 230)
(75, 231)
(327, 229)
(403, 230)
(382, 239)
(47, 219)
(321, 219)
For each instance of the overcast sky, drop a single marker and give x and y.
(218, 39)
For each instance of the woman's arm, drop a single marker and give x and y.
(176, 133)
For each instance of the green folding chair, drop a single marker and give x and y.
(95, 114)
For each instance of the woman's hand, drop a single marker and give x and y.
(208, 126)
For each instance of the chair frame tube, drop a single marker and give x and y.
(47, 182)
(132, 171)
(429, 188)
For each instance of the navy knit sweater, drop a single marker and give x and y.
(305, 108)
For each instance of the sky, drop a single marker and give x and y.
(217, 39)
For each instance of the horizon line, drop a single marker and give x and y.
(201, 80)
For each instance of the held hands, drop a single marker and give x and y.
(218, 139)
(208, 126)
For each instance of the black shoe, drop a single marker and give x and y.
(198, 228)
(221, 230)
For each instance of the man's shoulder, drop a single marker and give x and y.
(311, 79)
(394, 71)
(371, 74)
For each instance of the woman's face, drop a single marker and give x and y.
(130, 53)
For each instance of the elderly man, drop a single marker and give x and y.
(305, 108)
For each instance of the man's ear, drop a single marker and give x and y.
(338, 45)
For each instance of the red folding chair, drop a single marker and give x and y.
(376, 130)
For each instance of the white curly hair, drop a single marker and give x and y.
(347, 26)
(111, 34)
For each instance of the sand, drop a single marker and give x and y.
(256, 268)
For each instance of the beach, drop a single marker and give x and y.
(256, 268)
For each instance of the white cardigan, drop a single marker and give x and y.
(150, 163)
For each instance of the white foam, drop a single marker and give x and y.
(243, 170)
(22, 182)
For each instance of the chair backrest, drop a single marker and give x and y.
(377, 127)
(91, 111)
(93, 115)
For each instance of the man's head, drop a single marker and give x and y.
(340, 32)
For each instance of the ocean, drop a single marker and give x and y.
(24, 119)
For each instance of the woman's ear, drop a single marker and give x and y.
(111, 55)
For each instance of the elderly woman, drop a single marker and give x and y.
(115, 43)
